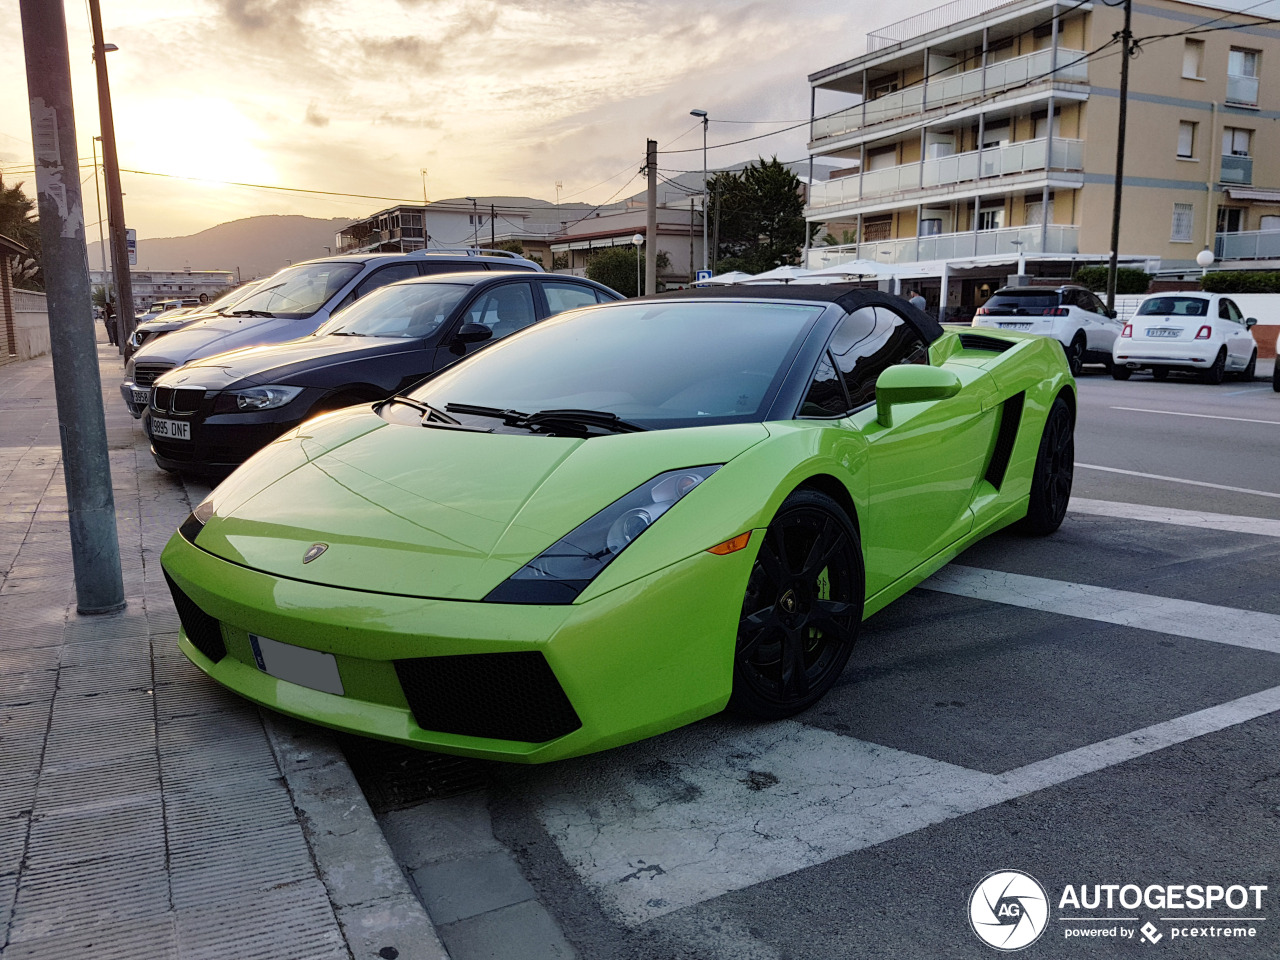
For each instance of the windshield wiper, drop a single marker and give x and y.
(252, 313)
(578, 419)
(346, 333)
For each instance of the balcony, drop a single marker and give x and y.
(1242, 91)
(1251, 245)
(1059, 238)
(1021, 157)
(1236, 170)
(945, 91)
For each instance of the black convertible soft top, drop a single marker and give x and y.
(849, 297)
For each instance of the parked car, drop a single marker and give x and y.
(177, 319)
(620, 520)
(213, 414)
(164, 306)
(1070, 314)
(1204, 333)
(293, 303)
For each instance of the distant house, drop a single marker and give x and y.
(679, 237)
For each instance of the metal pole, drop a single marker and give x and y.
(91, 509)
(651, 219)
(493, 230)
(705, 260)
(97, 206)
(125, 319)
(1126, 38)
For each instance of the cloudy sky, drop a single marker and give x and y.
(499, 98)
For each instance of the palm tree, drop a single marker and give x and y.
(18, 221)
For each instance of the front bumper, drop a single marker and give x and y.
(134, 400)
(219, 443)
(1138, 353)
(647, 657)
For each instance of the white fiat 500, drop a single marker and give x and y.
(1201, 332)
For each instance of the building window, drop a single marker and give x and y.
(1186, 140)
(1269, 223)
(1235, 142)
(1036, 212)
(1242, 77)
(1237, 161)
(1230, 219)
(1182, 215)
(991, 218)
(1193, 59)
(877, 228)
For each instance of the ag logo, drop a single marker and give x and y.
(314, 551)
(1008, 910)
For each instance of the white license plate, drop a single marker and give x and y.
(170, 429)
(141, 396)
(307, 668)
(1015, 326)
(1162, 332)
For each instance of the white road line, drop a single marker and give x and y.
(1185, 518)
(1202, 416)
(668, 823)
(1193, 483)
(1179, 618)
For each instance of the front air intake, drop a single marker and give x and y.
(502, 696)
(204, 631)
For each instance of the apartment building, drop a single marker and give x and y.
(981, 135)
(151, 286)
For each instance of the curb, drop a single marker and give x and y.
(378, 912)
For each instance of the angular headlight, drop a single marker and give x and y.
(196, 519)
(563, 570)
(261, 398)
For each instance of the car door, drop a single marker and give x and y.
(1239, 337)
(561, 295)
(504, 308)
(923, 471)
(1101, 329)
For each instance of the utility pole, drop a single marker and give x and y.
(115, 195)
(493, 231)
(97, 206)
(91, 509)
(1126, 41)
(651, 219)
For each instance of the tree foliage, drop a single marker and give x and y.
(18, 221)
(1128, 279)
(616, 267)
(1241, 281)
(757, 217)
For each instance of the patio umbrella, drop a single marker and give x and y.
(733, 276)
(779, 275)
(856, 268)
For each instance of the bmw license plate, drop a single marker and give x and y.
(1015, 326)
(308, 668)
(170, 429)
(1162, 332)
(141, 396)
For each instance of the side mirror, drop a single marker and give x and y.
(1250, 323)
(472, 333)
(1112, 314)
(912, 383)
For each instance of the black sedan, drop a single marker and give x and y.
(211, 415)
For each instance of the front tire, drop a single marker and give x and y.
(1055, 467)
(1075, 354)
(801, 611)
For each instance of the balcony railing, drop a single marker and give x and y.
(1242, 90)
(1253, 245)
(942, 91)
(1236, 170)
(1059, 238)
(1013, 158)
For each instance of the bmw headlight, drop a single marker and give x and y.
(259, 398)
(563, 570)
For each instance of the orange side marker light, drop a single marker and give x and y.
(730, 546)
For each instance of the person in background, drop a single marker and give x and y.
(109, 321)
(916, 299)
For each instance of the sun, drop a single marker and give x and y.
(208, 138)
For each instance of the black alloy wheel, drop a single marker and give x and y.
(1075, 354)
(1055, 467)
(802, 609)
(1217, 373)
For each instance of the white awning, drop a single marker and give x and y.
(1247, 193)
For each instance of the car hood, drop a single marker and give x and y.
(284, 362)
(433, 512)
(204, 338)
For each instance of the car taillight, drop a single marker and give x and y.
(1127, 331)
(981, 312)
(1056, 312)
(1204, 333)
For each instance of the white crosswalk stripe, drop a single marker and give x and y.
(1228, 523)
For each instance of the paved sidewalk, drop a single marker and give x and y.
(144, 811)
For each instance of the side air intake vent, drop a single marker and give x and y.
(505, 696)
(1010, 420)
(976, 341)
(204, 632)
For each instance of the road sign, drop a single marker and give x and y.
(131, 241)
(703, 275)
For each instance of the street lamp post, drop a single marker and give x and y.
(475, 223)
(1205, 260)
(705, 252)
(638, 241)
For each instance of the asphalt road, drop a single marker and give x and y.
(1094, 708)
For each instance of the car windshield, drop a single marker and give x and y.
(1018, 301)
(658, 363)
(412, 310)
(299, 291)
(1174, 307)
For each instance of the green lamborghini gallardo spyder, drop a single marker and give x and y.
(620, 520)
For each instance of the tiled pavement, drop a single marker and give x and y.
(144, 812)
